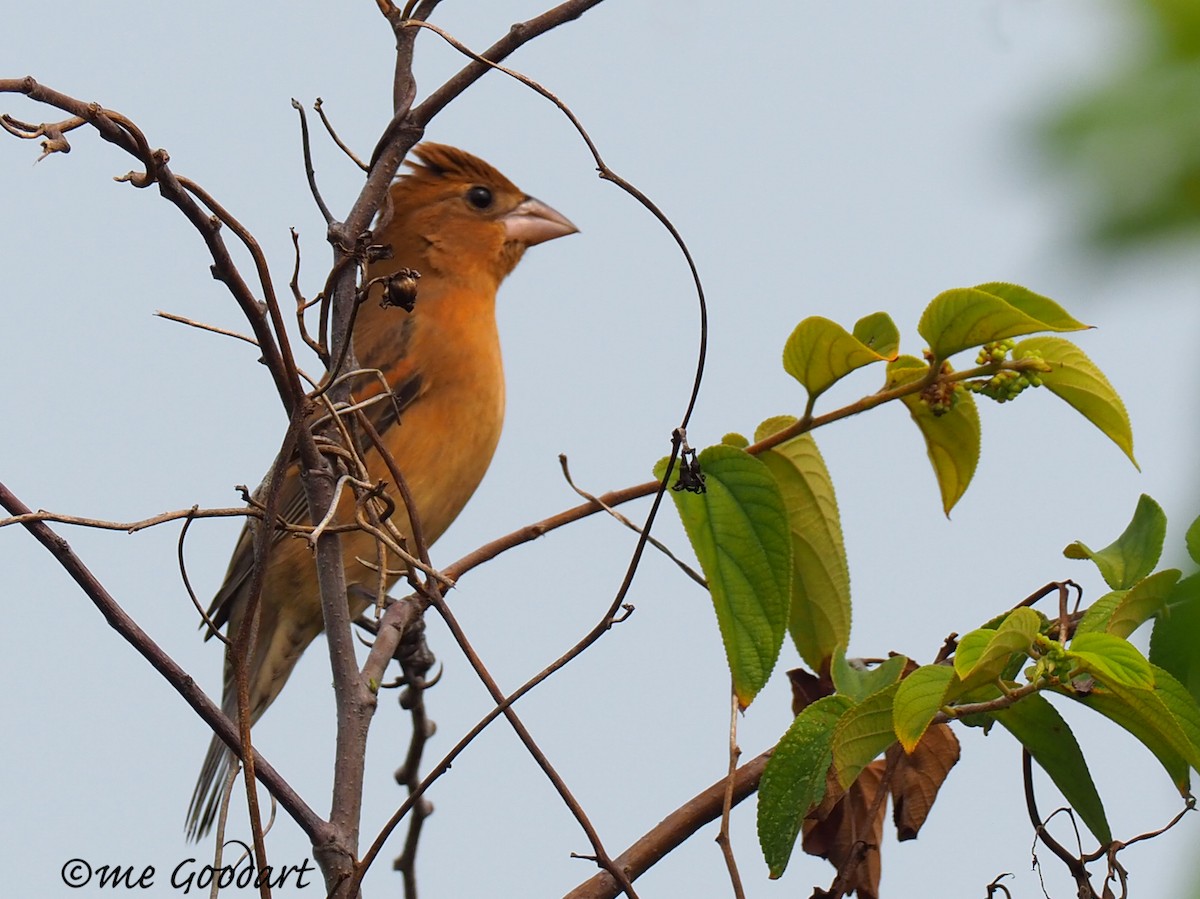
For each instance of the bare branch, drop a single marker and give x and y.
(192, 323)
(656, 543)
(316, 829)
(309, 172)
(319, 106)
(673, 830)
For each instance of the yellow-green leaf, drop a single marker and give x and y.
(819, 618)
(1075, 379)
(1143, 602)
(919, 698)
(821, 351)
(1134, 554)
(1112, 660)
(739, 530)
(952, 438)
(968, 317)
(863, 733)
(879, 332)
(983, 654)
(1098, 614)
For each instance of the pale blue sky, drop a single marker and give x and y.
(820, 158)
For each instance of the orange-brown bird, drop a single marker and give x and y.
(463, 226)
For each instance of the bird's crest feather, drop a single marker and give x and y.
(441, 161)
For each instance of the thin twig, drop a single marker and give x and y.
(131, 527)
(723, 840)
(170, 316)
(212, 630)
(655, 542)
(309, 172)
(302, 305)
(320, 108)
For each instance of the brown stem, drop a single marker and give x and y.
(673, 830)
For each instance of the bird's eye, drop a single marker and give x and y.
(479, 197)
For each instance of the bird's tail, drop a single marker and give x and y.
(206, 797)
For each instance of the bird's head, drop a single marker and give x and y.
(456, 217)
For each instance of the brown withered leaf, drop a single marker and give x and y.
(807, 688)
(918, 777)
(846, 829)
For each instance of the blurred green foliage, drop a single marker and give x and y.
(1133, 143)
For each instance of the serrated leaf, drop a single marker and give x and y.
(860, 682)
(794, 778)
(968, 317)
(952, 438)
(819, 352)
(879, 332)
(1192, 541)
(1034, 305)
(919, 698)
(1096, 616)
(1164, 718)
(1111, 660)
(971, 647)
(1039, 727)
(1134, 554)
(862, 734)
(1075, 379)
(1121, 612)
(739, 531)
(819, 617)
(1143, 602)
(983, 654)
(733, 438)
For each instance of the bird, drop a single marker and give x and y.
(462, 227)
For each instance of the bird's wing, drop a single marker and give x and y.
(408, 386)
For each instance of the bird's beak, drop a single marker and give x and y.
(534, 222)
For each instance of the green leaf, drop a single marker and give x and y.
(1134, 554)
(983, 654)
(1193, 541)
(1111, 660)
(820, 352)
(952, 438)
(879, 332)
(862, 734)
(1143, 602)
(919, 698)
(1075, 379)
(968, 317)
(819, 618)
(971, 647)
(735, 439)
(1041, 729)
(738, 528)
(1164, 718)
(1175, 640)
(857, 682)
(793, 781)
(1096, 617)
